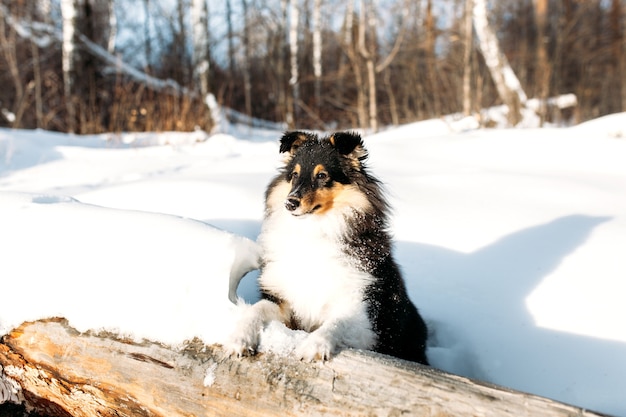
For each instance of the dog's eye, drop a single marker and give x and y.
(293, 176)
(321, 175)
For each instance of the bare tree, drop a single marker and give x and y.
(506, 82)
(294, 20)
(317, 51)
(112, 27)
(543, 66)
(231, 37)
(146, 35)
(431, 55)
(247, 83)
(200, 31)
(69, 50)
(8, 48)
(367, 48)
(618, 27)
(282, 111)
(181, 42)
(467, 59)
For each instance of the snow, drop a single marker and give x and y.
(511, 241)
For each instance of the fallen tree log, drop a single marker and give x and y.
(57, 371)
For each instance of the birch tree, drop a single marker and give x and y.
(509, 88)
(200, 31)
(294, 17)
(467, 59)
(282, 110)
(231, 37)
(367, 48)
(112, 26)
(317, 52)
(69, 49)
(247, 83)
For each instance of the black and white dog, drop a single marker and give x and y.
(327, 265)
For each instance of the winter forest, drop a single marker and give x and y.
(89, 66)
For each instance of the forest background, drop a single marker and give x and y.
(91, 66)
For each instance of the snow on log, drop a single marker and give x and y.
(52, 368)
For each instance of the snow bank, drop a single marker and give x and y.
(144, 275)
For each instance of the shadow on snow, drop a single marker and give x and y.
(481, 327)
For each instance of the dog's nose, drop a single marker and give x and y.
(292, 203)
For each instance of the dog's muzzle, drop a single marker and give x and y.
(292, 203)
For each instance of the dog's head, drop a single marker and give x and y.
(322, 173)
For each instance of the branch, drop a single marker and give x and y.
(44, 34)
(398, 43)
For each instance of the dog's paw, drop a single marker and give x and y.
(315, 347)
(244, 340)
(239, 347)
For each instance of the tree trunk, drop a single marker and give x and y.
(200, 31)
(112, 38)
(247, 82)
(147, 38)
(543, 64)
(367, 48)
(37, 78)
(431, 59)
(317, 53)
(8, 47)
(62, 373)
(506, 82)
(180, 43)
(294, 17)
(618, 27)
(69, 47)
(467, 59)
(282, 111)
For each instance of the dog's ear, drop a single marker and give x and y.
(350, 144)
(292, 141)
(345, 142)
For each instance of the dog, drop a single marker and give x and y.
(326, 265)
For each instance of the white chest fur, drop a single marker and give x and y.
(305, 265)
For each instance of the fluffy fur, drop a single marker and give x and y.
(327, 266)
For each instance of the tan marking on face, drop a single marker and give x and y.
(350, 196)
(318, 168)
(339, 196)
(297, 168)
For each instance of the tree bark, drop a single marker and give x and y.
(467, 59)
(8, 47)
(200, 32)
(317, 52)
(247, 81)
(69, 46)
(57, 371)
(506, 82)
(294, 82)
(367, 49)
(543, 64)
